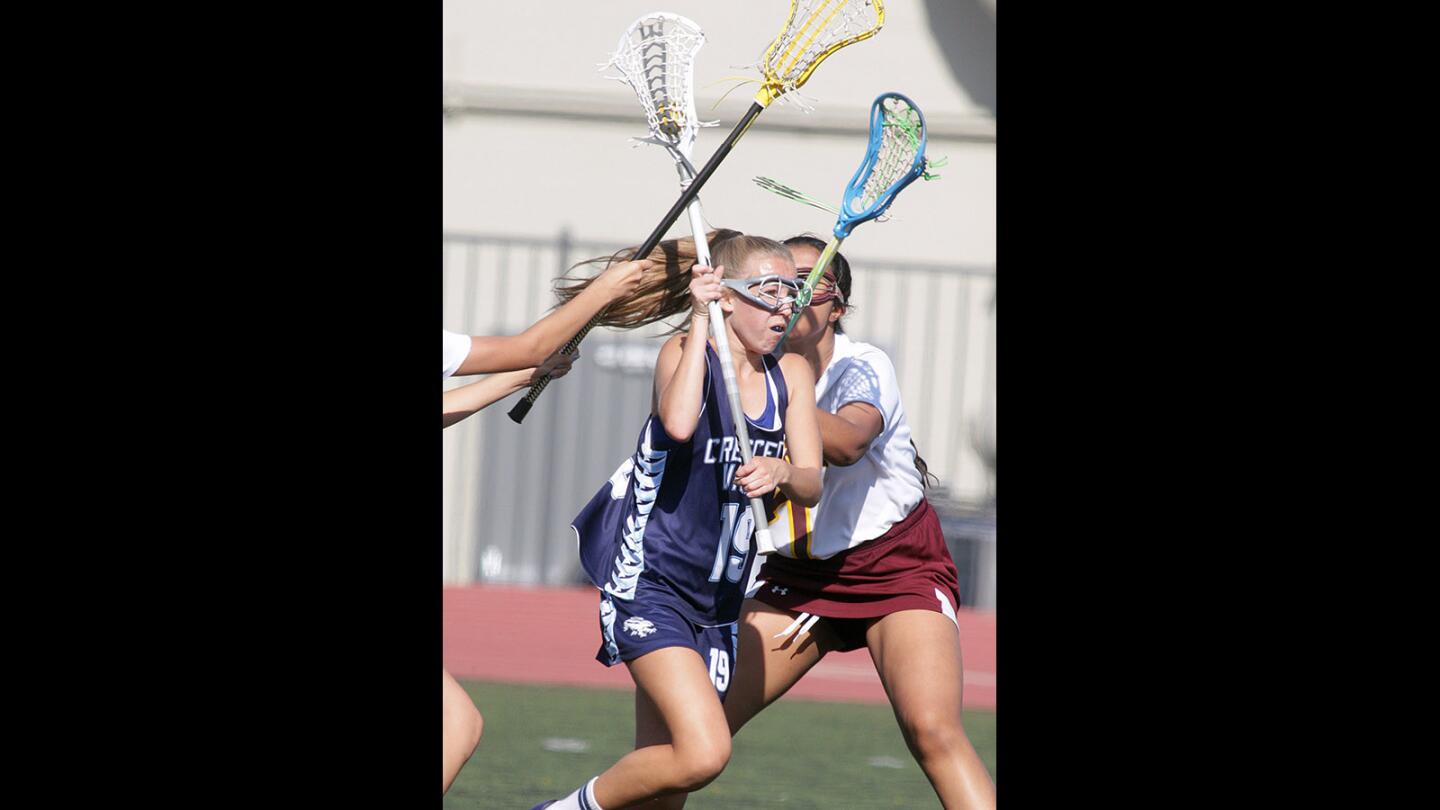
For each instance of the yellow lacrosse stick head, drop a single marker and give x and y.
(814, 30)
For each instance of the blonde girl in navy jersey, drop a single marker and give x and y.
(667, 539)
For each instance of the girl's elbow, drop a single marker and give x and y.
(535, 352)
(844, 456)
(678, 432)
(808, 493)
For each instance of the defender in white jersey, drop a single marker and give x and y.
(865, 498)
(868, 567)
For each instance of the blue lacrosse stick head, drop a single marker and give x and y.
(853, 209)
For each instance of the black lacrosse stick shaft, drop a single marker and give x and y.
(522, 407)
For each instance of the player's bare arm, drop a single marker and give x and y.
(849, 432)
(530, 348)
(680, 369)
(459, 403)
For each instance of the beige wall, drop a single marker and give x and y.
(527, 173)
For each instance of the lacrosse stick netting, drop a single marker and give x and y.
(894, 158)
(656, 59)
(814, 30)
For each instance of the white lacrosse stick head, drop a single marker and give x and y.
(656, 57)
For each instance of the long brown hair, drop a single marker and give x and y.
(927, 478)
(664, 288)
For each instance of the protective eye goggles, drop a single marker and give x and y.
(826, 290)
(771, 292)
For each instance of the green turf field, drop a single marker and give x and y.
(541, 742)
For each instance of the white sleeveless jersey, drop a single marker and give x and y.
(862, 501)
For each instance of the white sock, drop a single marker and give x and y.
(582, 799)
(590, 795)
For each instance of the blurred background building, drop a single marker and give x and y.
(539, 174)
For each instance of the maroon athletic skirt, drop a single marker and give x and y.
(900, 570)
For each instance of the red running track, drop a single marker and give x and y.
(550, 635)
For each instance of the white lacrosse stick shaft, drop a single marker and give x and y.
(764, 543)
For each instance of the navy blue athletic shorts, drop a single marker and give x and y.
(630, 628)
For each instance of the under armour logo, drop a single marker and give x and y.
(780, 590)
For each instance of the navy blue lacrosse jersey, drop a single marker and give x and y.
(672, 517)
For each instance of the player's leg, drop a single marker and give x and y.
(650, 730)
(679, 715)
(460, 726)
(765, 666)
(681, 741)
(917, 653)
